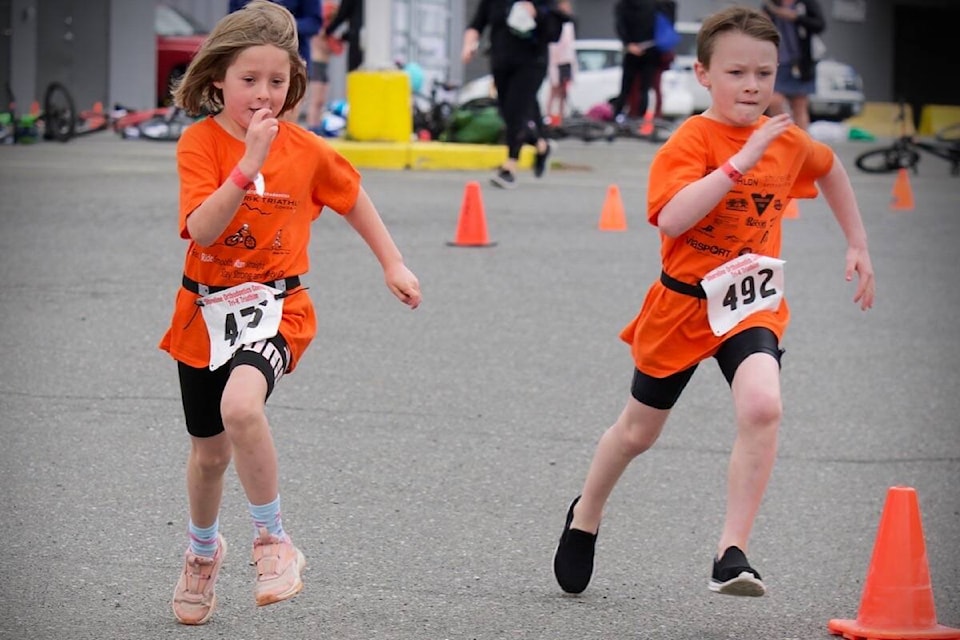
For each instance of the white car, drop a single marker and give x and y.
(596, 81)
(839, 88)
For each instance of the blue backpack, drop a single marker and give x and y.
(665, 37)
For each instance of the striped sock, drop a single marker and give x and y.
(203, 540)
(267, 516)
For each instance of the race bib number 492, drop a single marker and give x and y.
(741, 287)
(240, 315)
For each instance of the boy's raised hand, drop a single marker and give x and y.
(760, 139)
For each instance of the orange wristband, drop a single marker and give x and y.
(731, 171)
(242, 181)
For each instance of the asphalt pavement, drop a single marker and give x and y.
(427, 457)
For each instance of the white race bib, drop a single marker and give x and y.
(240, 315)
(741, 287)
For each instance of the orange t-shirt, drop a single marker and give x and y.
(302, 175)
(671, 332)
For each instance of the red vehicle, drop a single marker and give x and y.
(178, 37)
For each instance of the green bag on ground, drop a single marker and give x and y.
(475, 122)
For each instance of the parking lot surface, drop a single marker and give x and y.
(427, 457)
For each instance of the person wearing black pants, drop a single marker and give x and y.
(634, 20)
(518, 62)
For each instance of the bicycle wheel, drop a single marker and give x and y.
(59, 114)
(887, 160)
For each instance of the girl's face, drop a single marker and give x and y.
(740, 78)
(258, 77)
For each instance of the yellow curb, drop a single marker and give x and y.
(445, 156)
(936, 117)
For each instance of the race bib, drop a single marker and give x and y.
(240, 315)
(741, 287)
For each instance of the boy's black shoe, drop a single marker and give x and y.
(573, 561)
(504, 179)
(733, 575)
(540, 161)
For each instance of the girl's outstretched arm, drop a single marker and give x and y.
(366, 221)
(838, 191)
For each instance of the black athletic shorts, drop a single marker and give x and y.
(202, 389)
(662, 393)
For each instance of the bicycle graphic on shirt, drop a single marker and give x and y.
(242, 235)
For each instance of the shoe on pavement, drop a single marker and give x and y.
(279, 564)
(540, 161)
(194, 597)
(733, 575)
(573, 560)
(504, 179)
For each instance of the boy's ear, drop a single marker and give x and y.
(701, 73)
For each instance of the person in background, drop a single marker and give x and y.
(720, 291)
(562, 66)
(797, 21)
(669, 9)
(518, 62)
(322, 47)
(350, 12)
(251, 186)
(309, 22)
(634, 22)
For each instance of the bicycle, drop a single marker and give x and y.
(54, 121)
(905, 151)
(431, 113)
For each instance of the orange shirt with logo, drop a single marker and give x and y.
(268, 237)
(671, 332)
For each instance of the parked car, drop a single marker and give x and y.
(179, 35)
(597, 80)
(839, 88)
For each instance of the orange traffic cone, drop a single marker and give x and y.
(792, 210)
(35, 108)
(897, 600)
(612, 217)
(472, 228)
(902, 197)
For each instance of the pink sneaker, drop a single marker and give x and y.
(279, 564)
(194, 597)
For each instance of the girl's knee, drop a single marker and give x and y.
(636, 434)
(760, 408)
(209, 457)
(240, 411)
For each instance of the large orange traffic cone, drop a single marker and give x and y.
(612, 217)
(897, 600)
(472, 228)
(902, 197)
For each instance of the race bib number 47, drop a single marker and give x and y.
(741, 287)
(240, 315)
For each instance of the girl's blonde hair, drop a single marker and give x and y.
(260, 22)
(746, 20)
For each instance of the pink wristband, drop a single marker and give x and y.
(731, 171)
(242, 181)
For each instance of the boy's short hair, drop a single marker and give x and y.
(739, 19)
(260, 22)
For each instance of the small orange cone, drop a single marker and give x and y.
(472, 227)
(612, 217)
(35, 108)
(902, 197)
(897, 600)
(792, 210)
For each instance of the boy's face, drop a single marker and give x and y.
(740, 78)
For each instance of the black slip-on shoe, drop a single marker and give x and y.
(573, 560)
(733, 575)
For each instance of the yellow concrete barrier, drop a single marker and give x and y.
(448, 156)
(380, 106)
(881, 119)
(936, 117)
